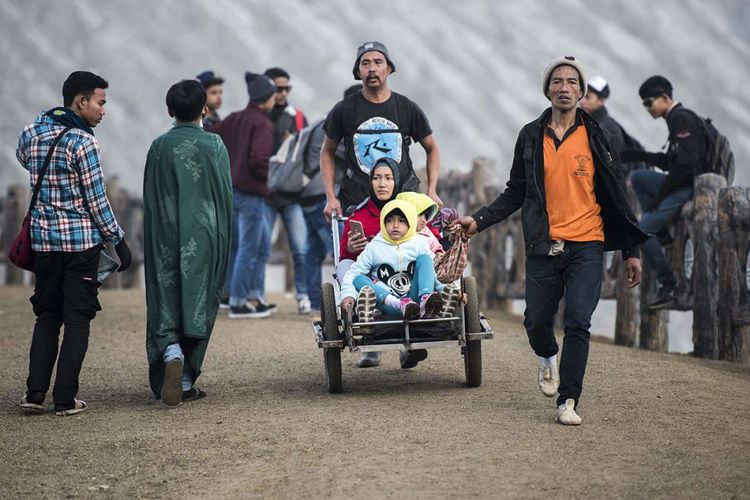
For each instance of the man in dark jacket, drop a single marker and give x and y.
(594, 104)
(288, 120)
(248, 136)
(662, 195)
(574, 208)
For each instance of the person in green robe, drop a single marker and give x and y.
(187, 198)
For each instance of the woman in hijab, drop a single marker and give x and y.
(385, 184)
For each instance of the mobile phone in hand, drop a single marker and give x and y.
(356, 228)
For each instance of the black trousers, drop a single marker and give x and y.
(577, 273)
(65, 293)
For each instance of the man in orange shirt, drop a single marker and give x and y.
(572, 192)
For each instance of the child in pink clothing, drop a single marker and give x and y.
(427, 209)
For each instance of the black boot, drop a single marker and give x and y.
(663, 297)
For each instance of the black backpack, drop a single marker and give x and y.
(719, 157)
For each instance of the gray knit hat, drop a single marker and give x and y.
(260, 87)
(565, 61)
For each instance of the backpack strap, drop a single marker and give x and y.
(299, 120)
(404, 118)
(45, 167)
(349, 114)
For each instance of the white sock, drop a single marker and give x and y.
(547, 362)
(392, 301)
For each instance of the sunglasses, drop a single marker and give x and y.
(648, 102)
(286, 89)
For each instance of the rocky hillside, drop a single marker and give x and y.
(473, 66)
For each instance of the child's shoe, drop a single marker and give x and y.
(430, 305)
(365, 307)
(409, 309)
(450, 296)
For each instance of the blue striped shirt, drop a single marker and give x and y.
(72, 212)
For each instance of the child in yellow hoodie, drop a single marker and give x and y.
(427, 209)
(395, 272)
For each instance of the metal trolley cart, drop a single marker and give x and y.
(337, 331)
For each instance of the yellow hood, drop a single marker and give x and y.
(411, 217)
(421, 203)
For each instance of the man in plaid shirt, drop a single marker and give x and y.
(70, 223)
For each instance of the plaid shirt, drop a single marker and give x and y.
(72, 212)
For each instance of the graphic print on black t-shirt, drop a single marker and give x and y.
(398, 281)
(365, 144)
(371, 146)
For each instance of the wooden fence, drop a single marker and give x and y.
(710, 257)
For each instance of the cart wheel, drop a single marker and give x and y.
(473, 349)
(331, 355)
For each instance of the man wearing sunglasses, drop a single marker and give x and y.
(286, 118)
(286, 121)
(662, 195)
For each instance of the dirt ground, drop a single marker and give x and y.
(654, 425)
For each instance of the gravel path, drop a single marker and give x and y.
(655, 425)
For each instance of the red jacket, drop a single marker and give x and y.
(248, 136)
(369, 216)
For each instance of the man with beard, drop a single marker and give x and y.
(572, 191)
(375, 123)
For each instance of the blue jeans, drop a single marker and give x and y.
(647, 185)
(422, 283)
(294, 223)
(578, 273)
(245, 262)
(319, 245)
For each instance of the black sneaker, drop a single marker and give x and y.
(663, 297)
(265, 306)
(409, 359)
(224, 304)
(665, 239)
(246, 311)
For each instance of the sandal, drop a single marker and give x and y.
(171, 389)
(193, 394)
(30, 405)
(78, 407)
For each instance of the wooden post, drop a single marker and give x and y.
(626, 320)
(706, 265)
(654, 323)
(734, 278)
(628, 299)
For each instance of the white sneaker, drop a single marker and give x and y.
(566, 414)
(549, 379)
(303, 305)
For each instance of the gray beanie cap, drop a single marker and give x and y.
(565, 61)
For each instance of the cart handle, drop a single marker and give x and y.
(335, 221)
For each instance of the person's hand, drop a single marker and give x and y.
(347, 303)
(467, 223)
(332, 205)
(355, 242)
(432, 193)
(633, 270)
(123, 252)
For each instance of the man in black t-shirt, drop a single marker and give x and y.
(375, 123)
